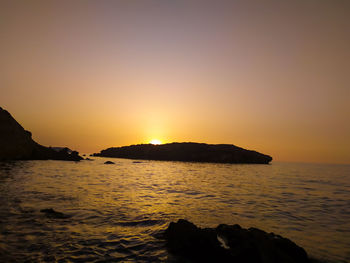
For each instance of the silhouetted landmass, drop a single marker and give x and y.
(187, 152)
(230, 243)
(58, 149)
(17, 143)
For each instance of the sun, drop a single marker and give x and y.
(155, 141)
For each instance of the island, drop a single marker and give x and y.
(17, 144)
(188, 152)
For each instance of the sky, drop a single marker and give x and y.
(271, 76)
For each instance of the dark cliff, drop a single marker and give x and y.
(17, 144)
(188, 152)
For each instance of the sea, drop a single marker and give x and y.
(116, 212)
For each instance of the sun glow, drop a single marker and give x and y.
(155, 141)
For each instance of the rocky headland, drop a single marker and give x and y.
(187, 152)
(17, 144)
(230, 243)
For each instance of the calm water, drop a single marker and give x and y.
(117, 210)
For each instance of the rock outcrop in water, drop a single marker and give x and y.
(17, 143)
(230, 243)
(51, 213)
(188, 152)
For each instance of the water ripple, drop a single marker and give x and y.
(116, 213)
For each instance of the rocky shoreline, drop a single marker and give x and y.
(17, 144)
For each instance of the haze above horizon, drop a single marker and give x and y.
(268, 76)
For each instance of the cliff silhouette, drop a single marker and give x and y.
(17, 144)
(187, 152)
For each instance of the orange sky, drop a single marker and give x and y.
(270, 76)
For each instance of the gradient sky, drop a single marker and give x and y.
(266, 75)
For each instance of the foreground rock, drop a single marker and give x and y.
(230, 243)
(17, 144)
(109, 162)
(188, 152)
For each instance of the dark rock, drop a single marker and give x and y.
(17, 144)
(51, 213)
(230, 243)
(88, 159)
(59, 149)
(109, 162)
(187, 152)
(186, 240)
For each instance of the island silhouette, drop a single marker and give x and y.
(187, 152)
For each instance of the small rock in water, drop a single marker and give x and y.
(109, 162)
(51, 213)
(88, 159)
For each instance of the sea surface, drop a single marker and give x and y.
(116, 212)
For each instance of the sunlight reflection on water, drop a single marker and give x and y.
(116, 210)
